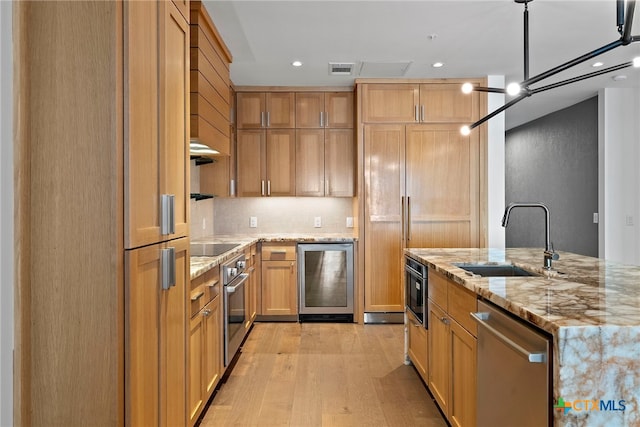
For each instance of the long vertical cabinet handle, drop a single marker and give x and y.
(268, 119)
(167, 214)
(262, 188)
(408, 218)
(415, 113)
(232, 187)
(321, 119)
(404, 221)
(261, 119)
(422, 113)
(268, 187)
(168, 267)
(326, 119)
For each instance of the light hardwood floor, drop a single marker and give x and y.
(323, 374)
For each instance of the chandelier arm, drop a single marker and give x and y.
(582, 77)
(489, 89)
(499, 110)
(572, 63)
(628, 21)
(526, 41)
(620, 15)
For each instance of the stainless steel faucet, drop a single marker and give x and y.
(549, 253)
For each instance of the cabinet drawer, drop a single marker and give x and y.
(212, 284)
(437, 286)
(462, 302)
(279, 252)
(197, 297)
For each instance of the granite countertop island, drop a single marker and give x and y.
(202, 264)
(591, 308)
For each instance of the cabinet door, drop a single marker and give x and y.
(250, 110)
(196, 377)
(418, 346)
(250, 155)
(279, 288)
(462, 409)
(442, 187)
(174, 110)
(212, 366)
(142, 167)
(280, 162)
(383, 186)
(439, 355)
(280, 110)
(339, 162)
(310, 110)
(338, 109)
(310, 179)
(390, 103)
(156, 322)
(445, 102)
(183, 7)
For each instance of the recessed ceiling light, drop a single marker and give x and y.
(619, 78)
(437, 64)
(636, 62)
(597, 64)
(297, 63)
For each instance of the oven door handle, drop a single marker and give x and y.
(232, 289)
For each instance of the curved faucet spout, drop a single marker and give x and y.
(549, 253)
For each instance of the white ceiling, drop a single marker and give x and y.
(473, 38)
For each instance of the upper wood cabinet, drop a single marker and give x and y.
(157, 129)
(418, 103)
(261, 110)
(210, 82)
(324, 110)
(266, 163)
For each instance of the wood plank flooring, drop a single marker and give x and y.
(323, 374)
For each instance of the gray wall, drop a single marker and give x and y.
(554, 160)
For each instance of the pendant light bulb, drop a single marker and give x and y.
(513, 89)
(465, 130)
(636, 62)
(467, 88)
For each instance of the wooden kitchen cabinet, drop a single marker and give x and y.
(439, 102)
(325, 162)
(279, 280)
(261, 110)
(252, 288)
(266, 163)
(324, 110)
(418, 346)
(157, 130)
(452, 349)
(156, 325)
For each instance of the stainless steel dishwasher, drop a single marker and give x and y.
(514, 371)
(325, 280)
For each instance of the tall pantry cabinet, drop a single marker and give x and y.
(102, 212)
(156, 200)
(422, 179)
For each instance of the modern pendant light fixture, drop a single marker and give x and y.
(522, 90)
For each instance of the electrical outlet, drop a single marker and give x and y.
(349, 222)
(317, 222)
(253, 221)
(596, 218)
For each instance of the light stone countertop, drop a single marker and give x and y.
(200, 265)
(591, 307)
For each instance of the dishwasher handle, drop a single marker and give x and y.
(481, 318)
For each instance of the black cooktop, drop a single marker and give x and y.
(211, 249)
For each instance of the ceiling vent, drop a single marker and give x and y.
(384, 69)
(341, 68)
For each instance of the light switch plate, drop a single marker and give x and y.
(253, 221)
(349, 222)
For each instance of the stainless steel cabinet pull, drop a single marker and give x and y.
(268, 119)
(261, 119)
(444, 320)
(262, 190)
(415, 113)
(167, 215)
(422, 113)
(321, 119)
(168, 267)
(278, 252)
(404, 221)
(232, 187)
(531, 357)
(326, 119)
(268, 187)
(197, 296)
(206, 313)
(408, 218)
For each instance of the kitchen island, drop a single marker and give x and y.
(589, 306)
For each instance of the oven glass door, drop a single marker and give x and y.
(235, 316)
(416, 287)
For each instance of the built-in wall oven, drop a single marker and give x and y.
(233, 279)
(416, 288)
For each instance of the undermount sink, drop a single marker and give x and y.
(495, 270)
